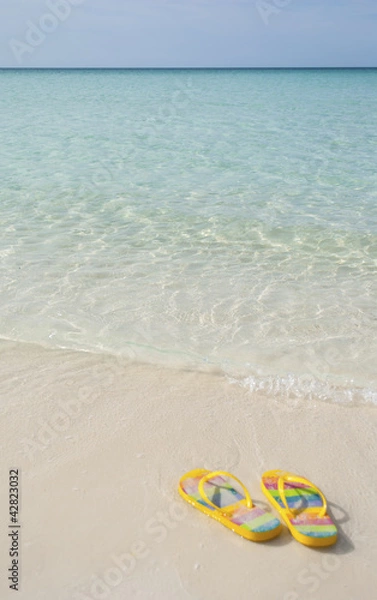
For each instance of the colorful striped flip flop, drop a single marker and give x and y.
(302, 506)
(213, 494)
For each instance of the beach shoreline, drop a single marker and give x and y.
(101, 443)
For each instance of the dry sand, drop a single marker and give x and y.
(101, 444)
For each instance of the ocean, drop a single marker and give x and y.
(218, 220)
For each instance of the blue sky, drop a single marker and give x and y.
(188, 33)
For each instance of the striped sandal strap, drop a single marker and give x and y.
(284, 478)
(227, 509)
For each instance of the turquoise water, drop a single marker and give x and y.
(197, 218)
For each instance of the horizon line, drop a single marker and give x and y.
(71, 68)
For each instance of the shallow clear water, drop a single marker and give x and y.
(222, 218)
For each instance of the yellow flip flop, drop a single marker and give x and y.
(214, 495)
(302, 507)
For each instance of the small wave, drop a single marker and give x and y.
(290, 390)
(298, 389)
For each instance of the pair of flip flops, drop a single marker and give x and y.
(301, 505)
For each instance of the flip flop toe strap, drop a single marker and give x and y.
(230, 508)
(284, 478)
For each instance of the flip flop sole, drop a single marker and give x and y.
(253, 524)
(307, 527)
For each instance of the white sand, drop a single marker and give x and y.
(101, 445)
